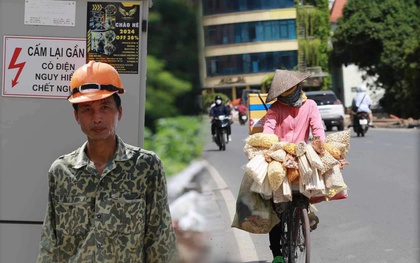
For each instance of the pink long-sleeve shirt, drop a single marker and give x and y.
(293, 124)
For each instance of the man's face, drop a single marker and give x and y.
(98, 119)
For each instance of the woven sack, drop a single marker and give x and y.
(328, 162)
(342, 137)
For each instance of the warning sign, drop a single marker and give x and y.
(40, 66)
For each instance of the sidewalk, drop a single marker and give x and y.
(390, 122)
(196, 216)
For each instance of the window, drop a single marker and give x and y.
(251, 63)
(250, 31)
(211, 7)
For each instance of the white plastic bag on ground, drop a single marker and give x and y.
(186, 210)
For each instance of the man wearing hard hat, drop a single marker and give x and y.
(107, 200)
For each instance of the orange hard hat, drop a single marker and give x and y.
(94, 81)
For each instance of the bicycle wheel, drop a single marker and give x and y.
(285, 243)
(299, 236)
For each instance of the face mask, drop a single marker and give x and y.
(218, 102)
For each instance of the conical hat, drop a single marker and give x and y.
(284, 80)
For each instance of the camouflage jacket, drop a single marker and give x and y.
(121, 215)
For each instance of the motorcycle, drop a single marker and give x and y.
(222, 124)
(242, 118)
(361, 123)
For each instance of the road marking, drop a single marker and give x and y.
(246, 249)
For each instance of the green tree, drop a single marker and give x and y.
(381, 37)
(162, 88)
(187, 133)
(314, 32)
(172, 38)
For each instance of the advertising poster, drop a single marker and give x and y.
(113, 34)
(50, 13)
(40, 67)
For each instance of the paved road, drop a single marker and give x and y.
(377, 223)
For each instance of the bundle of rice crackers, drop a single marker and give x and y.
(313, 168)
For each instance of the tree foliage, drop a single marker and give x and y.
(172, 37)
(381, 37)
(186, 133)
(173, 85)
(314, 32)
(161, 92)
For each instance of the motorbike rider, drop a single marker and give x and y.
(242, 110)
(361, 103)
(219, 109)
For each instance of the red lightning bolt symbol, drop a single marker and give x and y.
(13, 65)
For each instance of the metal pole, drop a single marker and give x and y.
(146, 4)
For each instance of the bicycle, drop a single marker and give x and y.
(295, 228)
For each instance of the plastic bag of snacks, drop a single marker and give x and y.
(253, 214)
(265, 140)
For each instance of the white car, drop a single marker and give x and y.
(330, 108)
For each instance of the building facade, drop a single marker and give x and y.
(244, 41)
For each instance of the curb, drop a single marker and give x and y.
(183, 181)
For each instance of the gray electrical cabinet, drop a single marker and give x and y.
(42, 42)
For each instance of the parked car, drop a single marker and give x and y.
(330, 108)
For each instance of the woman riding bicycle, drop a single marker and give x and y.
(291, 117)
